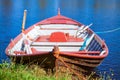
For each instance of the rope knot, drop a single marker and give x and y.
(56, 51)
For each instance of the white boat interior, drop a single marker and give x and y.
(78, 38)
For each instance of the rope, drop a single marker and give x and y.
(57, 56)
(77, 74)
(109, 31)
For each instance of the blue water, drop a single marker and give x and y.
(104, 14)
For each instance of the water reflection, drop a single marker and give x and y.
(6, 10)
(42, 4)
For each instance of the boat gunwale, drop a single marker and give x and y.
(31, 27)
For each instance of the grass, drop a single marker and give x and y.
(23, 72)
(11, 71)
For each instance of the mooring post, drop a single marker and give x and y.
(24, 20)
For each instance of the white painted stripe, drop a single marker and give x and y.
(60, 48)
(34, 33)
(58, 43)
(16, 47)
(58, 26)
(90, 39)
(48, 32)
(102, 53)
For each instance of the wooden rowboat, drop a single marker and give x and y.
(58, 38)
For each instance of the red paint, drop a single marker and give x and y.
(33, 50)
(89, 54)
(59, 19)
(29, 29)
(79, 54)
(58, 37)
(19, 52)
(42, 39)
(69, 38)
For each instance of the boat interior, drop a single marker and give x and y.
(67, 37)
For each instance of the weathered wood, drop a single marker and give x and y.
(24, 20)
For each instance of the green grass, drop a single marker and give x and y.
(11, 71)
(23, 72)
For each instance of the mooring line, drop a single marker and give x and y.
(80, 76)
(56, 53)
(109, 31)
